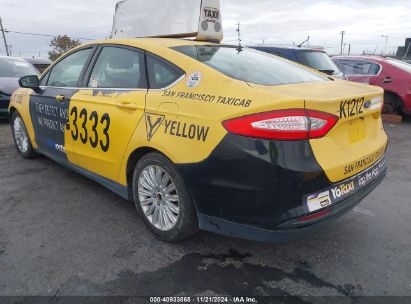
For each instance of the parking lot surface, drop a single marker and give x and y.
(62, 234)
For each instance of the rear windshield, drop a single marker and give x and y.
(16, 68)
(250, 65)
(401, 64)
(319, 61)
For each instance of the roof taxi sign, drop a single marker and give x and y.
(200, 19)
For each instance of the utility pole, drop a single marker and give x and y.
(349, 49)
(386, 43)
(4, 37)
(239, 34)
(342, 41)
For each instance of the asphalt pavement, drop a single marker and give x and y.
(62, 234)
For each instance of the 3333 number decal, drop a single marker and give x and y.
(80, 131)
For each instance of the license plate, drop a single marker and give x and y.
(356, 131)
(340, 191)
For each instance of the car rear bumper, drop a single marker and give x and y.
(255, 233)
(263, 190)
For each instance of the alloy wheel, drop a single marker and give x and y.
(20, 135)
(158, 198)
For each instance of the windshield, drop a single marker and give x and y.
(401, 64)
(250, 65)
(15, 68)
(319, 61)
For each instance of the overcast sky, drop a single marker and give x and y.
(274, 21)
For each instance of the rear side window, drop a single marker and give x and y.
(67, 72)
(161, 73)
(118, 68)
(350, 67)
(250, 65)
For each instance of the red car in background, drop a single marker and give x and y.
(393, 75)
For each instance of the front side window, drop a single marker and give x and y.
(67, 72)
(250, 65)
(118, 68)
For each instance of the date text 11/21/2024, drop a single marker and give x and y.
(203, 299)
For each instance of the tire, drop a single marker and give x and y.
(170, 214)
(21, 137)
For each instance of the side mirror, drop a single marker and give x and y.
(30, 82)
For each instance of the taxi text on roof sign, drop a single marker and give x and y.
(200, 19)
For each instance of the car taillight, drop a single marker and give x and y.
(283, 125)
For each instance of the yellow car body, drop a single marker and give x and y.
(105, 131)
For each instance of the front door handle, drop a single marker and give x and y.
(127, 105)
(61, 98)
(387, 79)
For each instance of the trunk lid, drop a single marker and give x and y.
(358, 140)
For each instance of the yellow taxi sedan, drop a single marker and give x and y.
(206, 136)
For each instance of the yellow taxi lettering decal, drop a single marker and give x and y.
(175, 128)
(184, 130)
(343, 190)
(153, 123)
(18, 99)
(87, 133)
(221, 100)
(352, 107)
(47, 114)
(363, 163)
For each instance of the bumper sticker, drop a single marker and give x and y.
(344, 189)
(319, 201)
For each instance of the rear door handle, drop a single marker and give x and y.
(126, 105)
(61, 98)
(387, 80)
